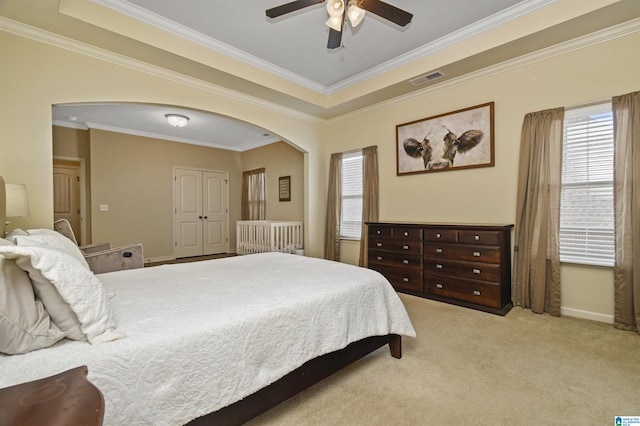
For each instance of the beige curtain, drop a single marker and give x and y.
(537, 256)
(254, 205)
(370, 185)
(334, 201)
(626, 124)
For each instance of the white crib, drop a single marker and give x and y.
(259, 236)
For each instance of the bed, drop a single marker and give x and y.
(221, 341)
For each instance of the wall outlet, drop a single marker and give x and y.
(104, 207)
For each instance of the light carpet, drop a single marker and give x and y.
(473, 368)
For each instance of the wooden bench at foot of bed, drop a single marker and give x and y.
(298, 380)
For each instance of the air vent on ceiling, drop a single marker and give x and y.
(426, 78)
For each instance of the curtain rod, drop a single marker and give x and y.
(355, 150)
(588, 104)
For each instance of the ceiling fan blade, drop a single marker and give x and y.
(386, 11)
(335, 39)
(291, 7)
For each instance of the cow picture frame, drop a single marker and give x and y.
(461, 139)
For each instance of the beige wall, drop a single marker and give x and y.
(279, 159)
(30, 85)
(133, 175)
(73, 144)
(488, 195)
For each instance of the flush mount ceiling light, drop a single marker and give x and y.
(354, 12)
(177, 120)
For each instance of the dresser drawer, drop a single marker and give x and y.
(400, 260)
(407, 234)
(444, 235)
(386, 244)
(482, 254)
(482, 293)
(379, 231)
(477, 271)
(489, 238)
(401, 278)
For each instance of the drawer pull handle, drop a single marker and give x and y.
(438, 250)
(405, 261)
(405, 247)
(476, 271)
(476, 293)
(439, 266)
(439, 285)
(379, 257)
(438, 235)
(378, 244)
(406, 234)
(378, 232)
(476, 254)
(405, 279)
(477, 238)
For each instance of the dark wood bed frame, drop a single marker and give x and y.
(298, 380)
(250, 407)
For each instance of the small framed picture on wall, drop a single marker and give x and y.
(284, 188)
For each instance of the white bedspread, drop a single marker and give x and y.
(203, 335)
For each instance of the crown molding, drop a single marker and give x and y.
(592, 39)
(444, 42)
(116, 129)
(85, 49)
(144, 15)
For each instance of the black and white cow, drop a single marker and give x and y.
(438, 156)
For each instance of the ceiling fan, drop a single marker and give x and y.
(355, 10)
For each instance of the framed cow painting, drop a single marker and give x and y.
(460, 139)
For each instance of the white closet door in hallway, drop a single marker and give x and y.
(201, 212)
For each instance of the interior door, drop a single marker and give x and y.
(215, 212)
(188, 212)
(66, 195)
(201, 212)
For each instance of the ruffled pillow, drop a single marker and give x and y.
(72, 295)
(51, 238)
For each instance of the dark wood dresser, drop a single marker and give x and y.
(468, 265)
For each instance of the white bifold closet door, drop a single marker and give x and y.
(201, 212)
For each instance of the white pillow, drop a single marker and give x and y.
(54, 239)
(24, 323)
(71, 294)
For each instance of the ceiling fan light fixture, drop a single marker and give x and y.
(335, 22)
(335, 8)
(355, 13)
(177, 120)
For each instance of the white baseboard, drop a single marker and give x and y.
(593, 316)
(159, 259)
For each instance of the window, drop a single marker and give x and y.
(351, 216)
(254, 198)
(586, 206)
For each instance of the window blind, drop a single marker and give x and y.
(351, 212)
(586, 209)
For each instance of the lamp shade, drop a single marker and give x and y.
(17, 201)
(335, 8)
(355, 14)
(335, 22)
(177, 120)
